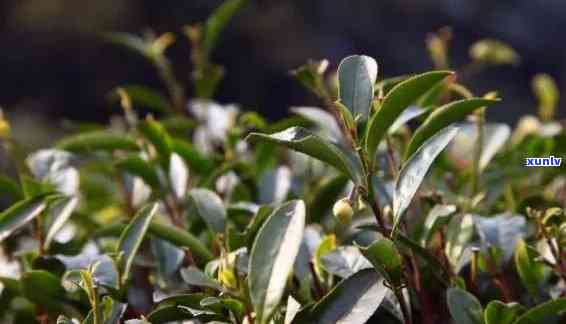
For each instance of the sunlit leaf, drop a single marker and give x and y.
(397, 100)
(132, 237)
(356, 78)
(272, 256)
(442, 118)
(20, 214)
(301, 140)
(414, 170)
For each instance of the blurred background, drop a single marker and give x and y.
(54, 65)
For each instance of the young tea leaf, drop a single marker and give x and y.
(543, 312)
(385, 257)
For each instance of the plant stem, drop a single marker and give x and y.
(403, 304)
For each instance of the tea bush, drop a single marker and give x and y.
(397, 202)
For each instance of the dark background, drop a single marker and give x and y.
(54, 65)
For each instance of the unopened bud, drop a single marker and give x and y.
(343, 210)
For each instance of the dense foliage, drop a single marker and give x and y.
(395, 203)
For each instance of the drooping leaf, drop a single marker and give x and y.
(272, 256)
(352, 301)
(97, 141)
(356, 79)
(497, 312)
(464, 307)
(442, 117)
(386, 260)
(301, 140)
(414, 170)
(397, 100)
(132, 237)
(210, 208)
(20, 214)
(60, 214)
(543, 312)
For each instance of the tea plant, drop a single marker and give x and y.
(396, 202)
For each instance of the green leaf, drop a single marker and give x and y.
(543, 312)
(20, 214)
(397, 100)
(60, 214)
(157, 135)
(356, 78)
(272, 257)
(301, 140)
(414, 170)
(51, 292)
(386, 259)
(210, 209)
(132, 42)
(458, 234)
(436, 215)
(137, 166)
(97, 141)
(498, 312)
(194, 277)
(352, 301)
(181, 238)
(10, 187)
(132, 237)
(218, 21)
(327, 245)
(493, 52)
(530, 271)
(195, 160)
(442, 118)
(464, 307)
(142, 96)
(547, 93)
